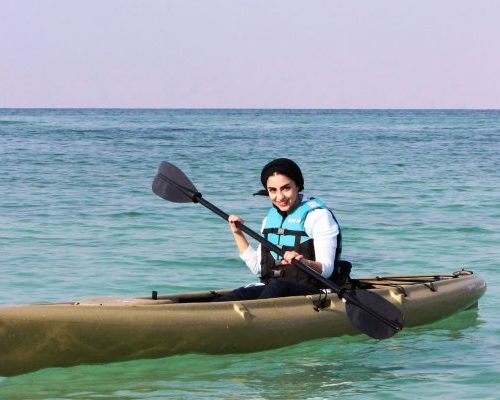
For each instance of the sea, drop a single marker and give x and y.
(415, 191)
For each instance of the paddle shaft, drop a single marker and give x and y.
(197, 198)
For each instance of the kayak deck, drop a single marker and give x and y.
(108, 329)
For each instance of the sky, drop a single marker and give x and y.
(250, 54)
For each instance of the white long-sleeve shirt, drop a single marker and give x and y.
(320, 226)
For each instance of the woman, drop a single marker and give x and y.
(305, 229)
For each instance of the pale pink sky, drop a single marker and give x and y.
(250, 54)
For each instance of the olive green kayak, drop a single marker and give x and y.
(109, 329)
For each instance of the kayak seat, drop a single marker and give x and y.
(341, 272)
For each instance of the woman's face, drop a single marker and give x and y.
(283, 191)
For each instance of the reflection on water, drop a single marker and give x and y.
(452, 325)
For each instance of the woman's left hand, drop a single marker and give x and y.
(289, 256)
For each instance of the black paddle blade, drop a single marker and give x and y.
(366, 322)
(173, 185)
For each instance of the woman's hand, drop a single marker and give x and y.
(233, 219)
(289, 256)
(239, 237)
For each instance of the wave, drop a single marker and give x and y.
(8, 122)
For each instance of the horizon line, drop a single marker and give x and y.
(254, 108)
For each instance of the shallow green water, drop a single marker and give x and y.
(415, 191)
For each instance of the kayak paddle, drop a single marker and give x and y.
(368, 311)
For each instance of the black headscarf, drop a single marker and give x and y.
(282, 166)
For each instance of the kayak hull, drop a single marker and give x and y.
(105, 330)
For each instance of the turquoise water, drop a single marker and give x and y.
(415, 191)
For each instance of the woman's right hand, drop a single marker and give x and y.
(232, 223)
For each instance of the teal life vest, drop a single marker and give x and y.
(287, 231)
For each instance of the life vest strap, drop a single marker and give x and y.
(281, 231)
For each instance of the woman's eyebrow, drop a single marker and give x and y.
(282, 187)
